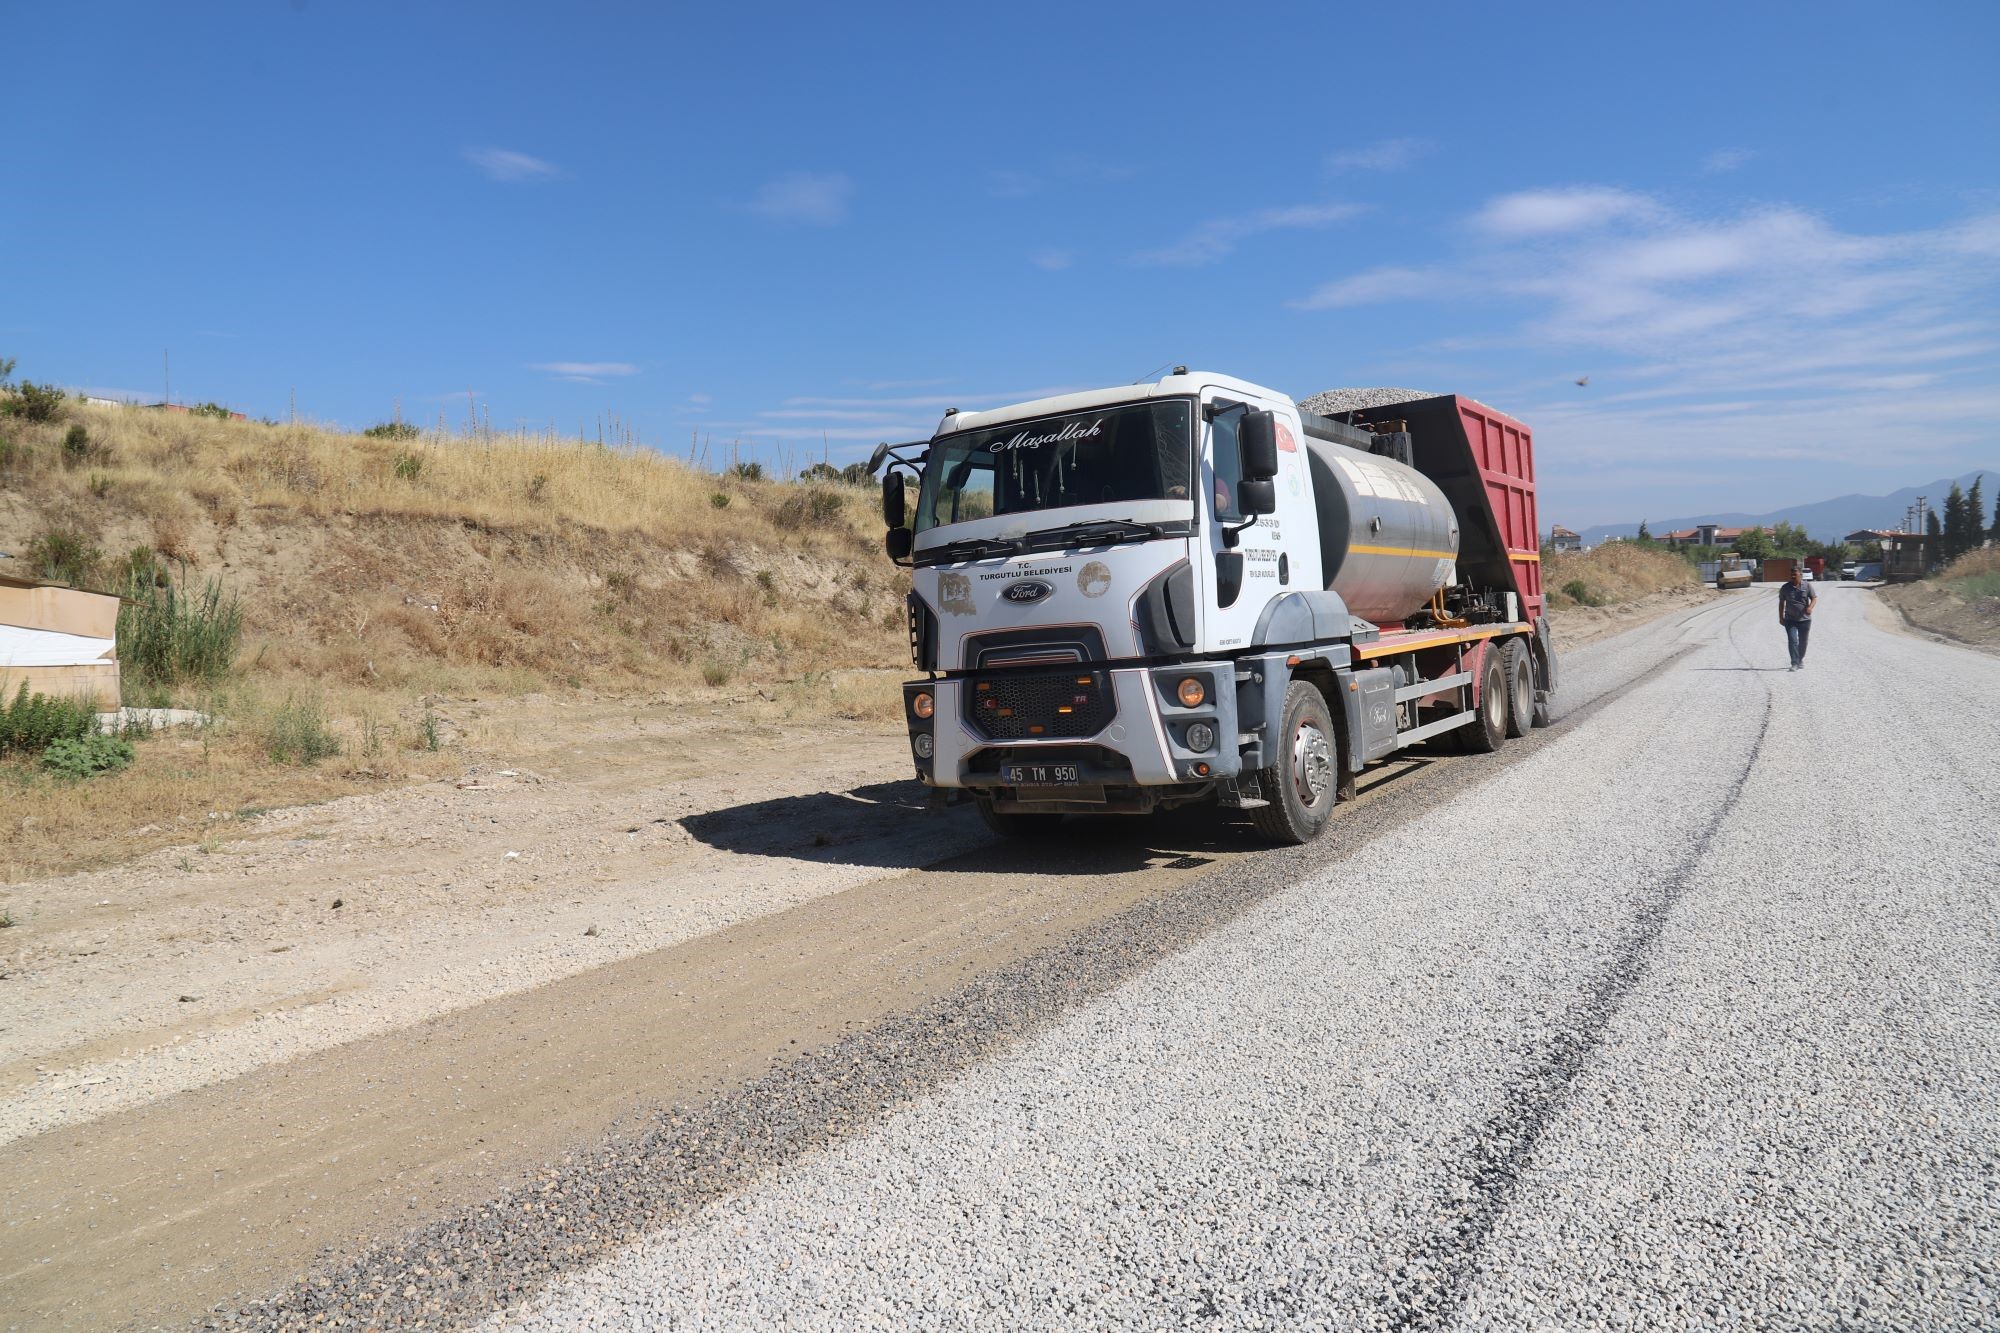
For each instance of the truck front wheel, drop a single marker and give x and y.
(1302, 786)
(1009, 825)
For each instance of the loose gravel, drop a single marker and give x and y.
(1335, 401)
(1683, 1019)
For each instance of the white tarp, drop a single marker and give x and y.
(23, 647)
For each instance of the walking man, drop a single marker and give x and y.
(1795, 607)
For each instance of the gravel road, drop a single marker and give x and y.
(1687, 1019)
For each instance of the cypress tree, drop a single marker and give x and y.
(1954, 524)
(1975, 513)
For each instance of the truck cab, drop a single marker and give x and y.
(1114, 592)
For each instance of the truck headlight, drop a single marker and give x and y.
(922, 704)
(924, 746)
(1200, 736)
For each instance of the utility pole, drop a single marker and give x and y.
(167, 373)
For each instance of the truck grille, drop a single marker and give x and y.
(1032, 705)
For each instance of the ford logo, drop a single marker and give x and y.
(1027, 590)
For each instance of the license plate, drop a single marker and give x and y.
(1041, 775)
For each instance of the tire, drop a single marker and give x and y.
(1545, 700)
(1010, 825)
(1305, 782)
(1520, 673)
(1488, 733)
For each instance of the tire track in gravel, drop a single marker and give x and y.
(1435, 1279)
(577, 1212)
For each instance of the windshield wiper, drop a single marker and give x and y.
(972, 548)
(1108, 527)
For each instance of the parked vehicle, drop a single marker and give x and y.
(1192, 591)
(1778, 569)
(1849, 570)
(1733, 572)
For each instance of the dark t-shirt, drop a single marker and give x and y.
(1792, 602)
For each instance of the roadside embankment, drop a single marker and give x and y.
(1962, 602)
(1613, 587)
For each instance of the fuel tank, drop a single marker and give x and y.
(1388, 537)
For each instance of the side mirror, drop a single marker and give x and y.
(894, 510)
(897, 543)
(1257, 442)
(1257, 497)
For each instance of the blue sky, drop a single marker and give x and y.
(1769, 235)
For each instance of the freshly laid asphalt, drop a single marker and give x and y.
(1684, 1018)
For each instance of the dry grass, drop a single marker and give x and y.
(1974, 576)
(374, 585)
(1613, 574)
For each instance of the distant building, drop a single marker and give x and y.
(183, 407)
(1703, 534)
(1864, 536)
(1907, 556)
(1562, 539)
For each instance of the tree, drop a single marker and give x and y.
(1644, 534)
(1955, 525)
(1975, 513)
(1935, 531)
(1754, 544)
(1994, 531)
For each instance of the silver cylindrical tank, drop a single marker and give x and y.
(1388, 538)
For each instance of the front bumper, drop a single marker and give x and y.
(1145, 743)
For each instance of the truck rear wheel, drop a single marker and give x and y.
(1013, 825)
(1303, 785)
(1485, 735)
(1520, 673)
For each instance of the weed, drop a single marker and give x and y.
(621, 582)
(12, 455)
(747, 471)
(392, 430)
(409, 464)
(769, 585)
(375, 738)
(716, 673)
(100, 485)
(297, 733)
(36, 721)
(718, 500)
(214, 411)
(78, 757)
(429, 734)
(168, 635)
(6, 919)
(537, 484)
(63, 555)
(75, 445)
(185, 865)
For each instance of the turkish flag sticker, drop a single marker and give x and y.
(1286, 444)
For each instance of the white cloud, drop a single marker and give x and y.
(504, 164)
(700, 399)
(1218, 237)
(1727, 159)
(586, 372)
(1052, 259)
(1388, 155)
(1376, 285)
(814, 199)
(1553, 212)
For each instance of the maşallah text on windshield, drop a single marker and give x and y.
(1075, 430)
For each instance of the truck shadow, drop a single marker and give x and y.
(889, 825)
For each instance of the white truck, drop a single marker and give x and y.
(1147, 596)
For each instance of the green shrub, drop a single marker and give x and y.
(392, 430)
(812, 507)
(718, 501)
(716, 673)
(297, 733)
(747, 471)
(430, 734)
(169, 634)
(33, 402)
(1582, 593)
(100, 484)
(80, 757)
(214, 410)
(409, 464)
(75, 445)
(63, 555)
(35, 721)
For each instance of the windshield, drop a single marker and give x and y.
(1141, 452)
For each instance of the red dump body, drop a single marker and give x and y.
(1484, 462)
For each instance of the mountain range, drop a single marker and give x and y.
(1824, 520)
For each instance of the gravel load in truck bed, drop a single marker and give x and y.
(1335, 401)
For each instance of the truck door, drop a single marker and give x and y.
(1240, 578)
